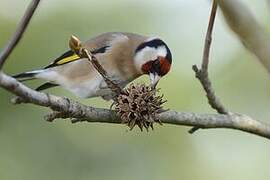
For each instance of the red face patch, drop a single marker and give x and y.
(165, 66)
(146, 67)
(161, 66)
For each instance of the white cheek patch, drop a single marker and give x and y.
(149, 54)
(162, 51)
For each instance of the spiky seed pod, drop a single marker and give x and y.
(138, 105)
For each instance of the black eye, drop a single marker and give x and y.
(156, 64)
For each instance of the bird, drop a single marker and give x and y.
(124, 56)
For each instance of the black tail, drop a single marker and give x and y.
(26, 75)
(32, 75)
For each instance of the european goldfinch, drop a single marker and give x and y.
(125, 56)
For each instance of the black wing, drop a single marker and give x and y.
(70, 56)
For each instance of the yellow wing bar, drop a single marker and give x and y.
(68, 59)
(70, 56)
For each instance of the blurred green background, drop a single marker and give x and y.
(31, 148)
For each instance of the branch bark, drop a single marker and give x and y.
(202, 74)
(79, 112)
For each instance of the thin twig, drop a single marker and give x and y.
(77, 47)
(208, 38)
(19, 32)
(113, 86)
(202, 74)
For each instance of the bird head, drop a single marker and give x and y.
(153, 57)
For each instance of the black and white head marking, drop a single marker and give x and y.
(151, 50)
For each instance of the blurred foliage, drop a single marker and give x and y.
(34, 149)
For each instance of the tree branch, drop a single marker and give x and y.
(70, 109)
(243, 23)
(205, 121)
(19, 32)
(202, 74)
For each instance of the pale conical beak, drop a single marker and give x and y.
(154, 78)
